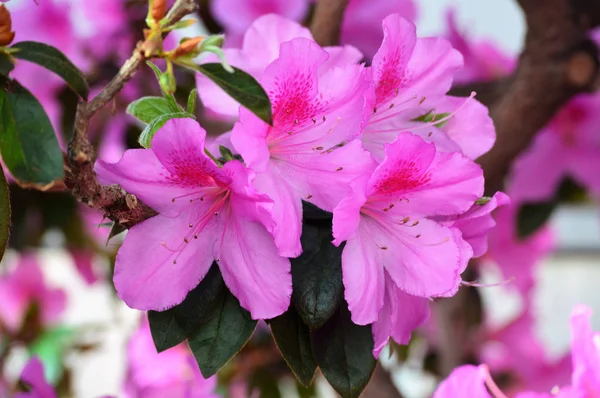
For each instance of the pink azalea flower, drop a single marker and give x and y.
(585, 353)
(483, 59)
(477, 222)
(361, 26)
(24, 287)
(410, 78)
(260, 48)
(172, 373)
(33, 377)
(310, 152)
(568, 147)
(206, 214)
(517, 258)
(391, 242)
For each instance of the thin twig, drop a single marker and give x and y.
(327, 21)
(79, 162)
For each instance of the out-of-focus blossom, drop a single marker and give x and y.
(310, 152)
(517, 258)
(568, 147)
(33, 377)
(173, 373)
(24, 287)
(391, 243)
(483, 59)
(261, 47)
(206, 214)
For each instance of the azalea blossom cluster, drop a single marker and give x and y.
(472, 380)
(383, 148)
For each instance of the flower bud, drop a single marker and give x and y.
(6, 35)
(158, 9)
(167, 82)
(189, 46)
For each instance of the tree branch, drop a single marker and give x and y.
(559, 60)
(327, 21)
(79, 162)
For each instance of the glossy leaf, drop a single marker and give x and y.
(241, 87)
(317, 274)
(174, 325)
(27, 140)
(225, 331)
(293, 340)
(6, 64)
(147, 134)
(344, 352)
(55, 61)
(4, 213)
(146, 109)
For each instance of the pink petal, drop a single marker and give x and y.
(584, 165)
(363, 277)
(465, 381)
(585, 351)
(362, 21)
(470, 127)
(155, 268)
(33, 376)
(346, 215)
(429, 183)
(252, 268)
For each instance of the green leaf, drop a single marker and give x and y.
(293, 340)
(4, 213)
(174, 325)
(317, 275)
(312, 213)
(241, 87)
(55, 61)
(225, 153)
(6, 64)
(344, 352)
(191, 102)
(265, 383)
(532, 216)
(225, 331)
(147, 109)
(147, 134)
(27, 140)
(50, 348)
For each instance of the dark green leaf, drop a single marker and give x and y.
(344, 352)
(27, 140)
(306, 392)
(241, 87)
(147, 109)
(532, 216)
(293, 339)
(174, 325)
(55, 61)
(191, 103)
(225, 153)
(4, 213)
(225, 331)
(311, 213)
(165, 330)
(6, 64)
(317, 275)
(147, 134)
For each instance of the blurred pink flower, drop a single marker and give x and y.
(33, 377)
(568, 147)
(483, 60)
(173, 373)
(24, 287)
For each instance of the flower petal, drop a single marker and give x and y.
(464, 381)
